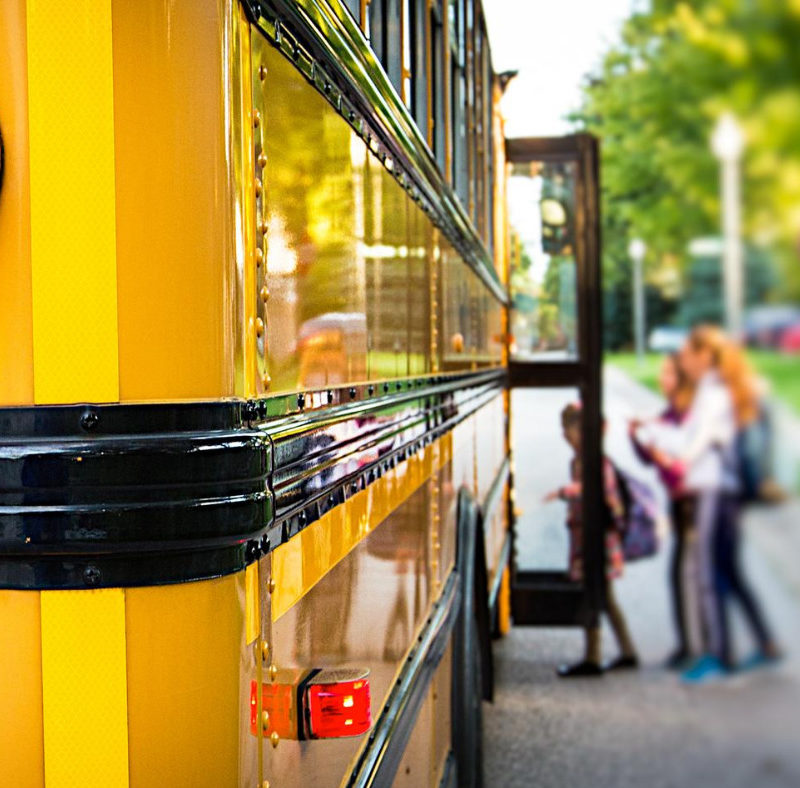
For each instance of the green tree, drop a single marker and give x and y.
(654, 102)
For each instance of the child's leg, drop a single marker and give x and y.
(593, 643)
(618, 623)
(681, 523)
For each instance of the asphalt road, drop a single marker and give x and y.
(642, 728)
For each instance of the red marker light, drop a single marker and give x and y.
(316, 704)
(277, 700)
(338, 704)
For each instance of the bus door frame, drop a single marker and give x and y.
(548, 598)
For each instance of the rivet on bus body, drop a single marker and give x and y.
(265, 294)
(437, 546)
(264, 719)
(273, 672)
(256, 118)
(271, 586)
(258, 187)
(264, 227)
(262, 159)
(89, 420)
(259, 327)
(262, 72)
(259, 255)
(274, 738)
(266, 380)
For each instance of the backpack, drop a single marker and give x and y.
(639, 537)
(748, 459)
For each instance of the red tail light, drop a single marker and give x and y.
(337, 707)
(332, 704)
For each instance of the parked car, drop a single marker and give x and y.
(667, 339)
(790, 339)
(765, 325)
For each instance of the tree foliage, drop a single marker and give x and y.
(654, 103)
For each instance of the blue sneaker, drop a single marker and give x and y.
(705, 670)
(760, 659)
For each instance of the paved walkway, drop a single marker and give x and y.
(645, 729)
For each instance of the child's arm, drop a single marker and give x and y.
(569, 492)
(643, 452)
(613, 496)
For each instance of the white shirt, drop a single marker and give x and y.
(704, 442)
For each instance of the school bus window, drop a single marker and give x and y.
(482, 121)
(470, 110)
(354, 7)
(393, 42)
(458, 98)
(542, 223)
(385, 26)
(375, 25)
(437, 109)
(417, 25)
(406, 67)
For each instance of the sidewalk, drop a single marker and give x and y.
(645, 728)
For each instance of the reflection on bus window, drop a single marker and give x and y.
(541, 208)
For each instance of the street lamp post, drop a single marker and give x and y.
(637, 250)
(727, 143)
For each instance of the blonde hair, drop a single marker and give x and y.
(684, 389)
(734, 369)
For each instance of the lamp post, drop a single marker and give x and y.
(637, 249)
(727, 143)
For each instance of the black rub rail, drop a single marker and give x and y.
(125, 495)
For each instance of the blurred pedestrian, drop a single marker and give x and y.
(678, 392)
(705, 444)
(613, 513)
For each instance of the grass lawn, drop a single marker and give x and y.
(782, 372)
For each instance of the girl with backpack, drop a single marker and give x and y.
(678, 391)
(571, 493)
(705, 445)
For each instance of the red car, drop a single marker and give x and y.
(790, 339)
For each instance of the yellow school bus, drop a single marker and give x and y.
(253, 460)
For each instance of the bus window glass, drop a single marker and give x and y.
(393, 43)
(541, 211)
(544, 533)
(406, 21)
(354, 7)
(419, 26)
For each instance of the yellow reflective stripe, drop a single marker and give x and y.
(252, 607)
(73, 234)
(84, 688)
(302, 562)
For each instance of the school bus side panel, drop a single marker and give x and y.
(16, 320)
(179, 314)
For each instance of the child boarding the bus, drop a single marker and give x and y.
(613, 515)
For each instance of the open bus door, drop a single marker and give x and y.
(554, 359)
